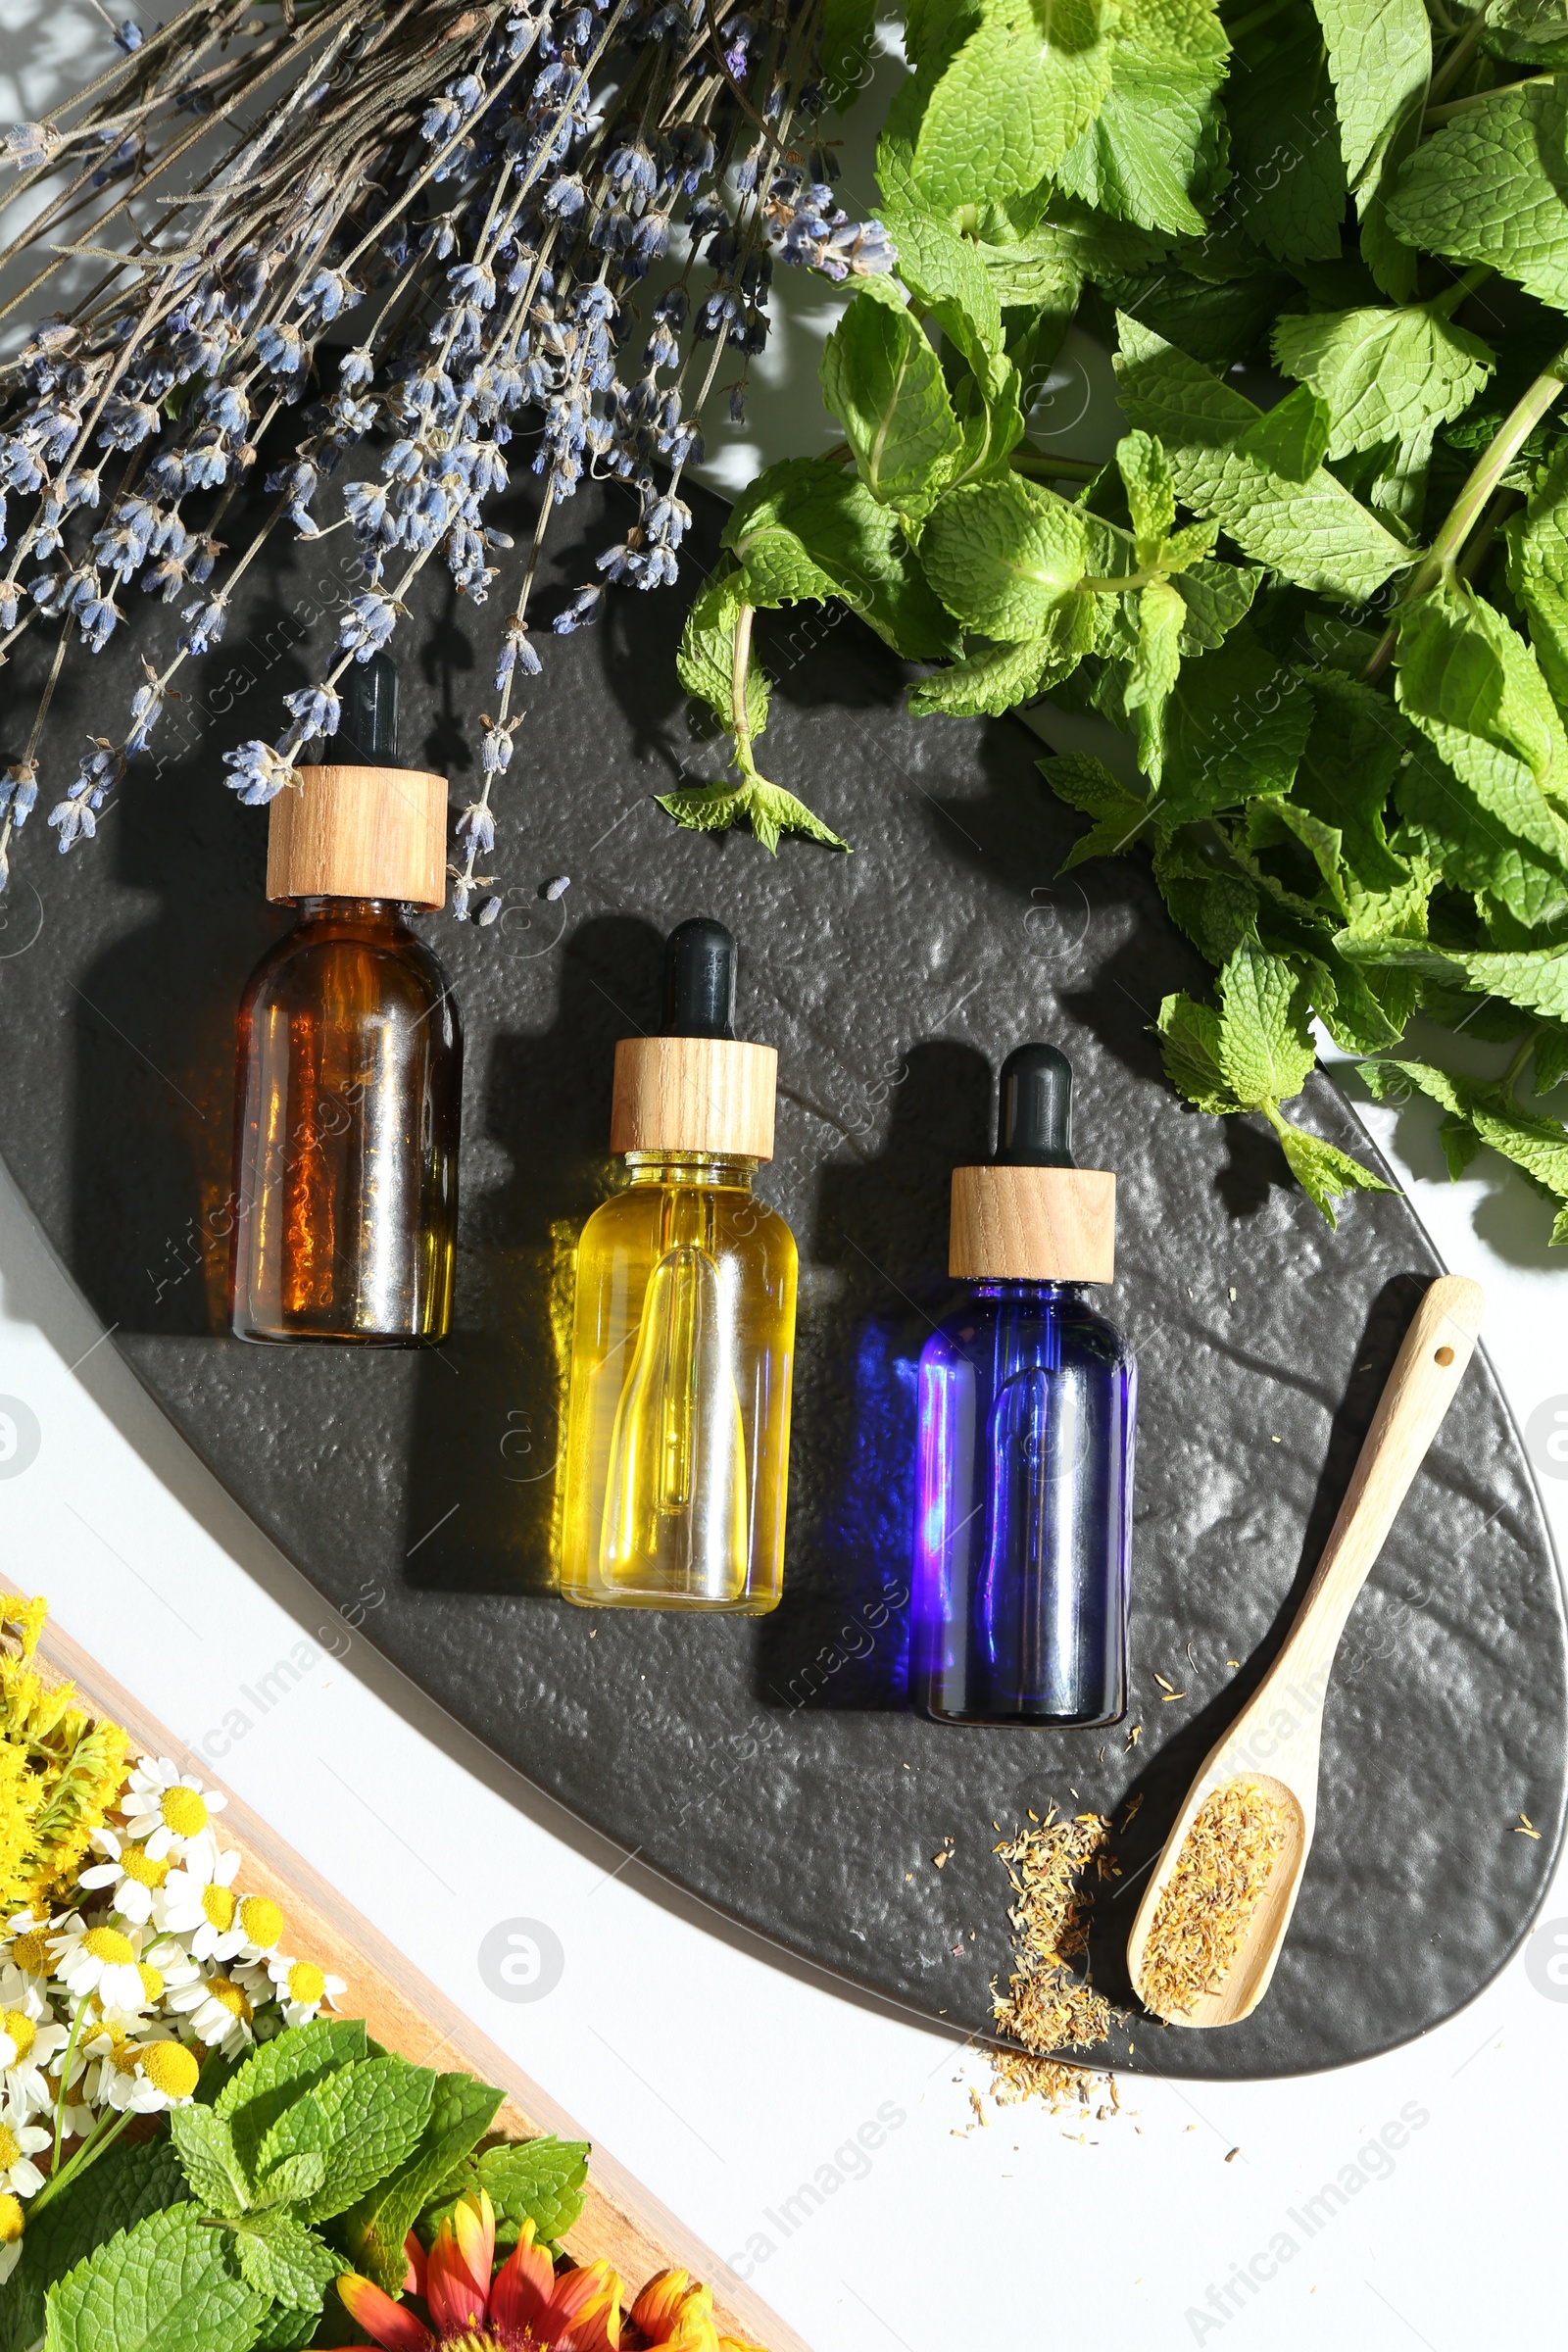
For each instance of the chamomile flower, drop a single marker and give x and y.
(197, 1901)
(302, 1988)
(10, 2235)
(128, 1873)
(217, 2011)
(164, 1810)
(29, 1954)
(99, 1960)
(19, 2142)
(30, 2039)
(141, 2069)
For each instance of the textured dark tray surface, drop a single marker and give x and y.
(772, 1766)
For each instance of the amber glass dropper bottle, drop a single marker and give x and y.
(350, 1065)
(678, 1429)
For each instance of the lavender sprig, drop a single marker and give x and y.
(452, 177)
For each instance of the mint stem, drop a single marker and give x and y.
(1461, 106)
(1443, 305)
(1458, 57)
(104, 2132)
(737, 687)
(1067, 470)
(1464, 515)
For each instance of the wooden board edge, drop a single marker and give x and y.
(621, 2220)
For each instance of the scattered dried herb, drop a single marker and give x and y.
(1047, 2006)
(1219, 1881)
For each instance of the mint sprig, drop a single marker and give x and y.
(1327, 618)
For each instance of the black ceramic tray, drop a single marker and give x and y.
(772, 1766)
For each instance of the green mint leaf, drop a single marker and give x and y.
(1323, 1171)
(1235, 724)
(1535, 1144)
(1386, 375)
(1216, 596)
(1471, 685)
(1015, 96)
(1272, 820)
(533, 2179)
(205, 2145)
(1538, 570)
(1211, 896)
(1265, 1038)
(1489, 187)
(282, 2071)
(1313, 531)
(292, 2180)
(705, 663)
(1356, 748)
(986, 684)
(1086, 784)
(1154, 151)
(1188, 1045)
(118, 2190)
(1462, 842)
(935, 262)
(768, 809)
(286, 2329)
(1535, 979)
(461, 2112)
(166, 2286)
(287, 2263)
(989, 407)
(1151, 494)
(1551, 1061)
(370, 2116)
(849, 35)
(1288, 186)
(1002, 555)
(1291, 439)
(1154, 670)
(884, 383)
(1380, 58)
(1528, 32)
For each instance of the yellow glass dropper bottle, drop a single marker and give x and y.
(678, 1435)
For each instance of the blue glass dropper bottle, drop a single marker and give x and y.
(1023, 1513)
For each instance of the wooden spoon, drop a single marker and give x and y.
(1274, 1741)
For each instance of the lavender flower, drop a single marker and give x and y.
(582, 610)
(316, 708)
(260, 774)
(366, 624)
(477, 827)
(207, 617)
(502, 236)
(18, 790)
(146, 709)
(516, 651)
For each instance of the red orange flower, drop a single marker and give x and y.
(677, 2314)
(523, 2307)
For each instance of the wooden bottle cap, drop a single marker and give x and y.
(1023, 1224)
(360, 833)
(694, 1094)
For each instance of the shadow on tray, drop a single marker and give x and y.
(489, 1422)
(840, 1636)
(1158, 1790)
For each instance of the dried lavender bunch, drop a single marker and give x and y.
(485, 185)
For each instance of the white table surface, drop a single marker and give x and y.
(727, 2077)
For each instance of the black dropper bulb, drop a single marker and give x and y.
(1035, 1127)
(700, 979)
(368, 725)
